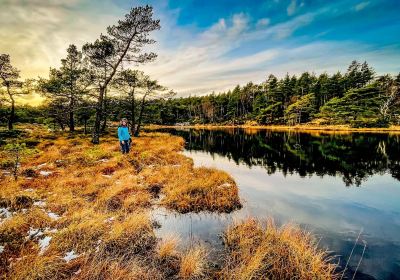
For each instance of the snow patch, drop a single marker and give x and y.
(32, 233)
(225, 185)
(109, 220)
(41, 165)
(40, 203)
(44, 244)
(69, 256)
(45, 173)
(1, 249)
(98, 246)
(5, 213)
(53, 216)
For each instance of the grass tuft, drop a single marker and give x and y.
(258, 251)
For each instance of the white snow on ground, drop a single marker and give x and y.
(225, 185)
(107, 176)
(41, 165)
(109, 220)
(53, 216)
(98, 245)
(103, 160)
(44, 243)
(40, 203)
(1, 249)
(45, 173)
(5, 213)
(34, 232)
(69, 256)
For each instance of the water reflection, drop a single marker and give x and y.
(354, 157)
(300, 177)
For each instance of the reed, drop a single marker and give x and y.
(256, 250)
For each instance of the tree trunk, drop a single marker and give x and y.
(12, 115)
(71, 113)
(140, 117)
(61, 124)
(104, 125)
(99, 113)
(133, 112)
(85, 127)
(71, 121)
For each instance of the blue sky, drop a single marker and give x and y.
(207, 46)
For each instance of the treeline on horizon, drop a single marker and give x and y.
(357, 98)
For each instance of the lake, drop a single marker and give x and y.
(337, 185)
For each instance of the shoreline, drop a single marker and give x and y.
(84, 211)
(298, 128)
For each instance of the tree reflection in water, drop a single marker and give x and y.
(352, 156)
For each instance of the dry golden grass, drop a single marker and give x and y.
(34, 267)
(198, 189)
(94, 203)
(257, 251)
(193, 264)
(167, 248)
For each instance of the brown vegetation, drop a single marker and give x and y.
(257, 251)
(79, 211)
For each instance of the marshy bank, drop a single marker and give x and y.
(78, 211)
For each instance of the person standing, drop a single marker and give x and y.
(124, 136)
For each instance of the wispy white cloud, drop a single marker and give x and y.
(361, 6)
(262, 22)
(37, 33)
(291, 9)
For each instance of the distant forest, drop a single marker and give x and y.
(358, 98)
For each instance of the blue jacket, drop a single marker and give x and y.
(123, 133)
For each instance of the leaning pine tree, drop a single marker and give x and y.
(124, 42)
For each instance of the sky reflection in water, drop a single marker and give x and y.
(280, 175)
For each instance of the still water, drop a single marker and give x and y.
(335, 185)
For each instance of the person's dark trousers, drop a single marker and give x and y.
(125, 146)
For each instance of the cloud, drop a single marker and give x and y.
(37, 33)
(291, 9)
(202, 64)
(361, 6)
(262, 22)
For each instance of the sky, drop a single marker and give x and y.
(207, 46)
